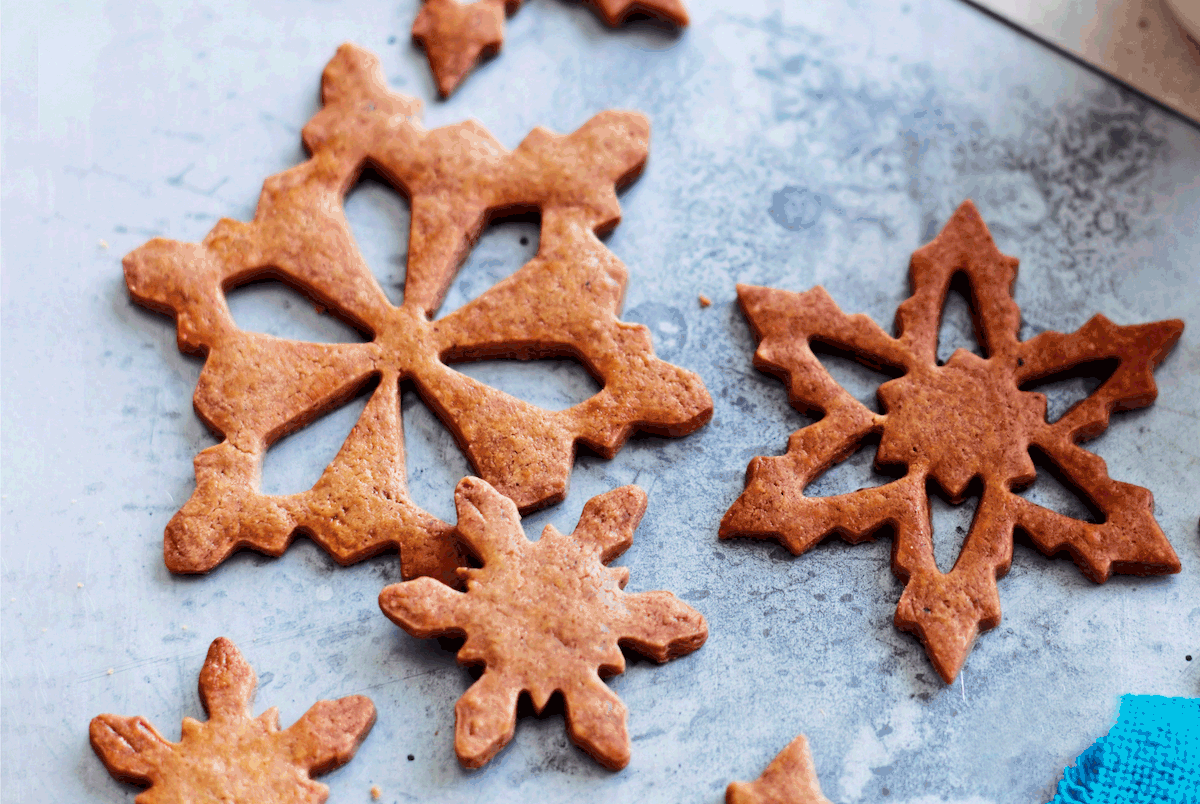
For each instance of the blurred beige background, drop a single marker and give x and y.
(1141, 42)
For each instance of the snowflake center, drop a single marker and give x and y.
(573, 631)
(407, 342)
(960, 421)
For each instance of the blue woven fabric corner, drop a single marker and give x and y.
(1151, 756)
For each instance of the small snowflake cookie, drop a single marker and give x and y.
(545, 617)
(563, 303)
(970, 419)
(233, 757)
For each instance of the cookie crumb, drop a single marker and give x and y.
(376, 792)
(79, 585)
(704, 300)
(109, 671)
(102, 243)
(183, 628)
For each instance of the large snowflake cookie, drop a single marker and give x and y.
(545, 617)
(457, 35)
(952, 423)
(256, 388)
(234, 757)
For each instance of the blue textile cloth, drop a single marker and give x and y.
(1152, 754)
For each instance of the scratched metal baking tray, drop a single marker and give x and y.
(793, 144)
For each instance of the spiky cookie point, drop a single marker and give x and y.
(234, 756)
(563, 303)
(545, 617)
(791, 778)
(968, 419)
(456, 36)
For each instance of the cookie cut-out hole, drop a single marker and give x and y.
(275, 308)
(1065, 389)
(957, 328)
(435, 462)
(861, 381)
(551, 383)
(379, 218)
(1051, 490)
(294, 463)
(507, 243)
(951, 523)
(852, 474)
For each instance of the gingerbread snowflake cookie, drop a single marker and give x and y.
(234, 757)
(952, 423)
(545, 617)
(457, 35)
(791, 778)
(563, 303)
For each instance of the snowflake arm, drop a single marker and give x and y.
(545, 617)
(608, 522)
(784, 324)
(335, 728)
(129, 747)
(226, 682)
(597, 721)
(456, 35)
(660, 626)
(965, 246)
(791, 778)
(616, 12)
(1129, 540)
(485, 720)
(424, 607)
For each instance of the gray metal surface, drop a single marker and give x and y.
(794, 143)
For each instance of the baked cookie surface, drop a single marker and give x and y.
(952, 424)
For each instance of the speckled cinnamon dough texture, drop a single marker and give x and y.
(545, 617)
(970, 419)
(791, 778)
(784, 154)
(234, 757)
(457, 35)
(256, 388)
